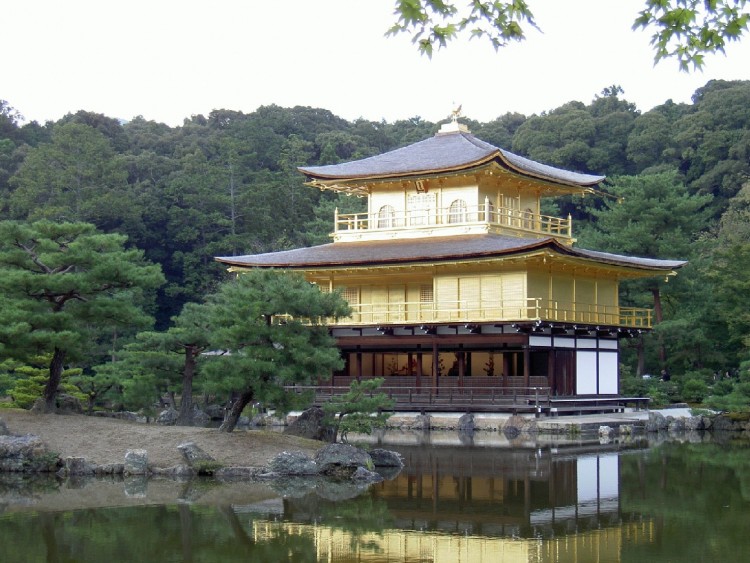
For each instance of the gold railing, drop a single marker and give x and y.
(502, 217)
(511, 310)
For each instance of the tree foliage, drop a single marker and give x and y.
(359, 410)
(268, 331)
(165, 361)
(434, 22)
(226, 184)
(685, 30)
(689, 29)
(61, 283)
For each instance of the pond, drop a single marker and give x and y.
(572, 501)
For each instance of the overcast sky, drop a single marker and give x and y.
(169, 59)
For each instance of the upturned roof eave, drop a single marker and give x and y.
(463, 167)
(358, 181)
(543, 177)
(631, 264)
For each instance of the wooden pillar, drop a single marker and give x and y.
(435, 362)
(526, 366)
(461, 357)
(358, 365)
(419, 367)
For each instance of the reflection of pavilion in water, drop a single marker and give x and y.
(518, 493)
(464, 504)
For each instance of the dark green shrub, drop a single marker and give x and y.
(734, 402)
(658, 398)
(704, 375)
(743, 389)
(694, 390)
(722, 387)
(634, 387)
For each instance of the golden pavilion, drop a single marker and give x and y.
(458, 281)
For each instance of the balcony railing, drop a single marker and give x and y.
(531, 309)
(506, 218)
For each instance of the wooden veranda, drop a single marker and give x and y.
(484, 399)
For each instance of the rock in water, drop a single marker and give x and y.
(193, 453)
(386, 458)
(293, 463)
(136, 462)
(335, 459)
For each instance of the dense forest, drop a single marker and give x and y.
(224, 184)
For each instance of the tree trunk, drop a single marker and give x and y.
(641, 365)
(658, 317)
(334, 434)
(185, 417)
(49, 395)
(234, 414)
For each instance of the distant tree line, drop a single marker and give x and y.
(225, 184)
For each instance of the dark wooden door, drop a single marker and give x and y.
(563, 373)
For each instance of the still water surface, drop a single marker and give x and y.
(575, 502)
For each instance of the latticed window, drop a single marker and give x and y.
(457, 211)
(426, 294)
(351, 295)
(386, 217)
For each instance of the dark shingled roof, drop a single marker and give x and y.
(433, 249)
(443, 153)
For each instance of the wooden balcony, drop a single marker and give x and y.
(482, 218)
(477, 394)
(532, 309)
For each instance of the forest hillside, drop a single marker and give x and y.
(226, 183)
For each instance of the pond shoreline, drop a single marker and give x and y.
(99, 446)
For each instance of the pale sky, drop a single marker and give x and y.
(169, 59)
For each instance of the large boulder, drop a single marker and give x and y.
(342, 460)
(731, 423)
(694, 423)
(215, 412)
(136, 462)
(309, 424)
(466, 424)
(77, 466)
(516, 425)
(109, 469)
(676, 425)
(293, 463)
(167, 417)
(419, 422)
(362, 475)
(656, 421)
(26, 454)
(386, 458)
(193, 454)
(3, 428)
(68, 404)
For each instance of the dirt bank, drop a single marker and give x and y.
(105, 440)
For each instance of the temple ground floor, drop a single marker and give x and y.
(568, 360)
(565, 369)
